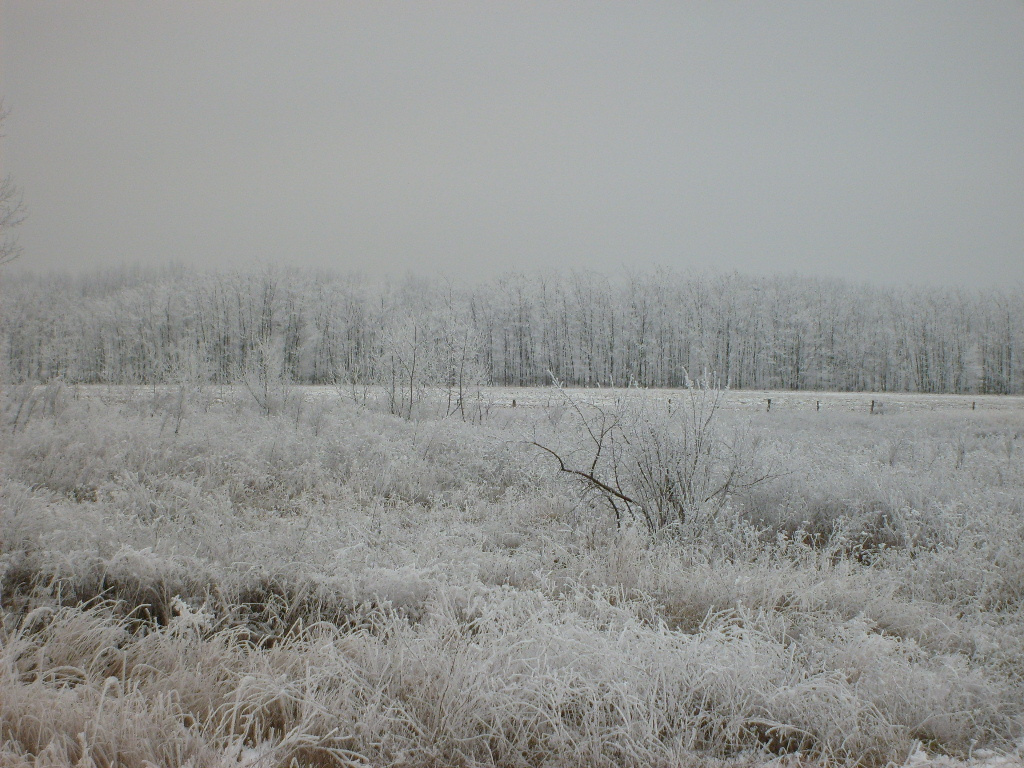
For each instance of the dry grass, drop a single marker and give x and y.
(333, 586)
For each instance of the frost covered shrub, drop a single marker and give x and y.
(668, 470)
(979, 563)
(25, 517)
(838, 486)
(845, 508)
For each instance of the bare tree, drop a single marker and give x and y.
(459, 369)
(670, 470)
(265, 376)
(403, 365)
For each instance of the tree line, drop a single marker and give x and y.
(654, 329)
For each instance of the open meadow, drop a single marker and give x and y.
(511, 385)
(198, 576)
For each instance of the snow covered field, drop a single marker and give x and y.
(191, 578)
(755, 400)
(541, 397)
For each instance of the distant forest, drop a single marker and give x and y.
(655, 329)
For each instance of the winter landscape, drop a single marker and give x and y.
(413, 565)
(456, 384)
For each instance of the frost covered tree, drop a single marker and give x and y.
(745, 332)
(459, 368)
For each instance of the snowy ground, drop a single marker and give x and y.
(869, 596)
(757, 400)
(496, 398)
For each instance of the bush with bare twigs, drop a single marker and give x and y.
(673, 470)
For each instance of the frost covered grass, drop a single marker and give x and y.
(187, 581)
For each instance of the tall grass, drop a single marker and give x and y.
(334, 586)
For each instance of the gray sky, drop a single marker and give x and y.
(878, 141)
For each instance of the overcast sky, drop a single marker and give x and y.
(877, 141)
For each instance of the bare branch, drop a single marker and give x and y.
(667, 470)
(587, 476)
